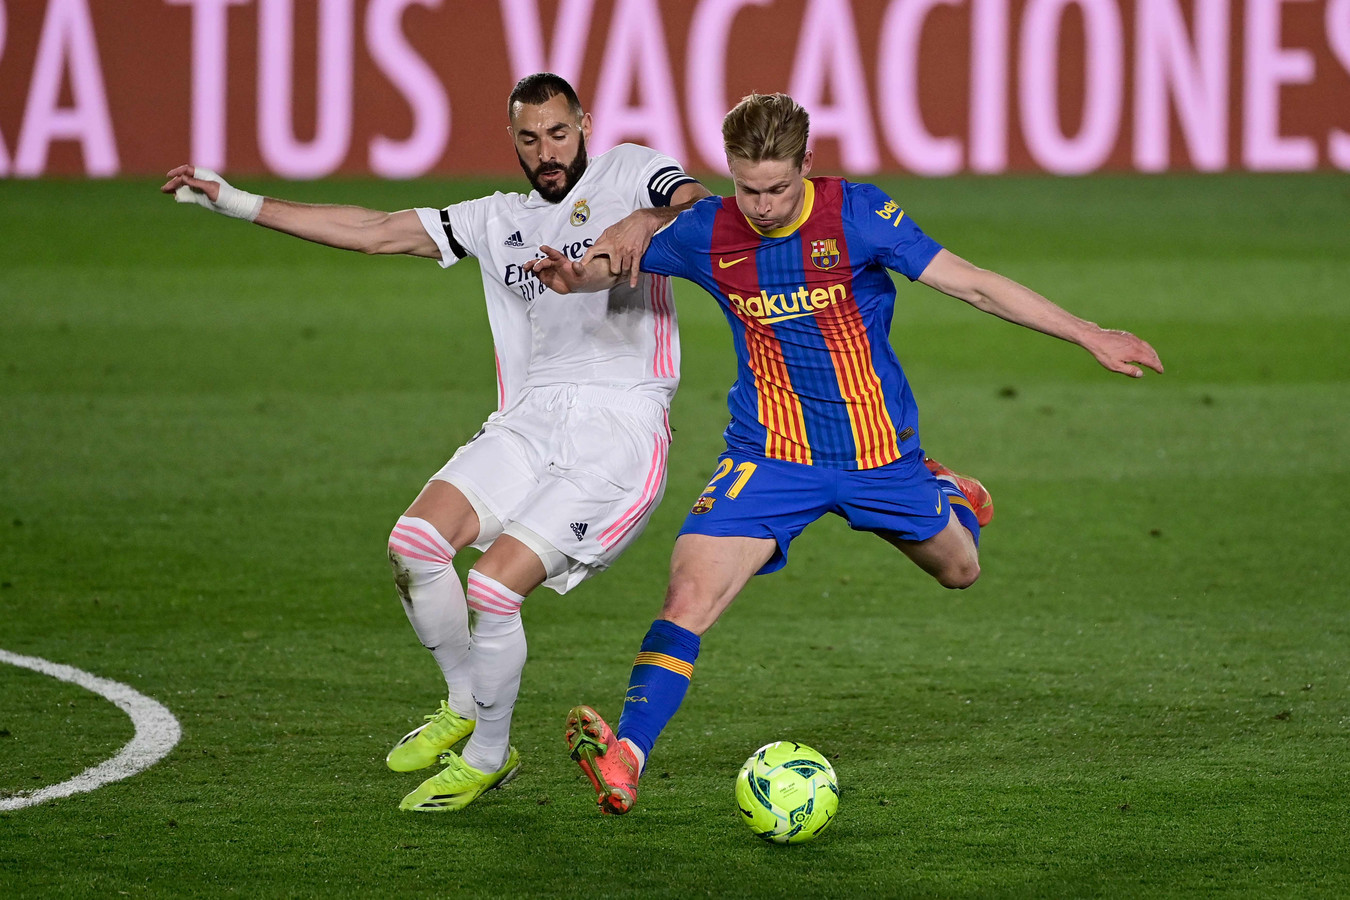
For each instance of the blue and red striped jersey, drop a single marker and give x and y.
(810, 309)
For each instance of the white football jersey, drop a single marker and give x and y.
(626, 338)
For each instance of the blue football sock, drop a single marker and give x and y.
(658, 683)
(961, 506)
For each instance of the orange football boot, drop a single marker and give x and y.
(980, 502)
(607, 761)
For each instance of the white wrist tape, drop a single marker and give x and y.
(230, 202)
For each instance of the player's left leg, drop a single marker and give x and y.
(460, 506)
(950, 556)
(964, 491)
(458, 785)
(498, 584)
(926, 516)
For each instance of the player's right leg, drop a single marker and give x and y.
(741, 525)
(461, 506)
(422, 549)
(498, 585)
(706, 575)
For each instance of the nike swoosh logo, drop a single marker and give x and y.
(939, 507)
(723, 264)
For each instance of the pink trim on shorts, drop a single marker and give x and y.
(628, 521)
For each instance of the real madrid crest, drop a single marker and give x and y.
(580, 212)
(825, 253)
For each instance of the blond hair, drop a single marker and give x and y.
(766, 126)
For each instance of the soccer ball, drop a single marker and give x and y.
(787, 792)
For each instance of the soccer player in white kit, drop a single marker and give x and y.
(566, 473)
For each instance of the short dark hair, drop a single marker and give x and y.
(540, 88)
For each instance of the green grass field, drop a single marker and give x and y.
(207, 430)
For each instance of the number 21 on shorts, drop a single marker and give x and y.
(724, 468)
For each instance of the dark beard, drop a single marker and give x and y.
(572, 174)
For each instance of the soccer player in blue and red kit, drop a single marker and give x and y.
(822, 416)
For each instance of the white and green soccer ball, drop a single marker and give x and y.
(787, 792)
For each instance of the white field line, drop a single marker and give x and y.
(157, 731)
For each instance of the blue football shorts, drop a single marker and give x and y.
(751, 496)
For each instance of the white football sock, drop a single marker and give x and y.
(433, 598)
(496, 658)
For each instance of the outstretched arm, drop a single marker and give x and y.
(623, 243)
(991, 292)
(564, 277)
(343, 227)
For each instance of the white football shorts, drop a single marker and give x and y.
(579, 467)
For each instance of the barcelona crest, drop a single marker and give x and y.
(580, 212)
(825, 253)
(704, 504)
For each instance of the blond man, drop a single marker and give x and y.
(822, 416)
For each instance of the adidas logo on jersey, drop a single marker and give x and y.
(514, 240)
(579, 529)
